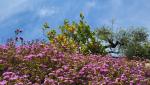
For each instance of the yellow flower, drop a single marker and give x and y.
(72, 29)
(60, 37)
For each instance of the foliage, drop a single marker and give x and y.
(135, 42)
(77, 37)
(130, 42)
(104, 33)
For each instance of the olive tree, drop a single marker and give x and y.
(130, 42)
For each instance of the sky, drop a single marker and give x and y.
(30, 15)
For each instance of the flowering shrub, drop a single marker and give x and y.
(76, 37)
(45, 64)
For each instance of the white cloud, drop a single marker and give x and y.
(89, 6)
(46, 12)
(9, 8)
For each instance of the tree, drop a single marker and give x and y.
(130, 42)
(108, 37)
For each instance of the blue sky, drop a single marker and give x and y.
(29, 15)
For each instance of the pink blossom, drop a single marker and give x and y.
(3, 82)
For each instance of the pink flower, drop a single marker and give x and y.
(10, 76)
(40, 55)
(131, 82)
(20, 83)
(117, 80)
(14, 77)
(104, 71)
(42, 65)
(81, 73)
(48, 81)
(8, 73)
(66, 68)
(1, 61)
(29, 57)
(4, 82)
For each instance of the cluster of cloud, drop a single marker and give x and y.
(45, 12)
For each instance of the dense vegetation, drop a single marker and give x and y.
(44, 64)
(77, 56)
(78, 37)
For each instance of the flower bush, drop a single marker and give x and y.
(45, 64)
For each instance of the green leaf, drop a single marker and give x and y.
(2, 67)
(81, 16)
(46, 26)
